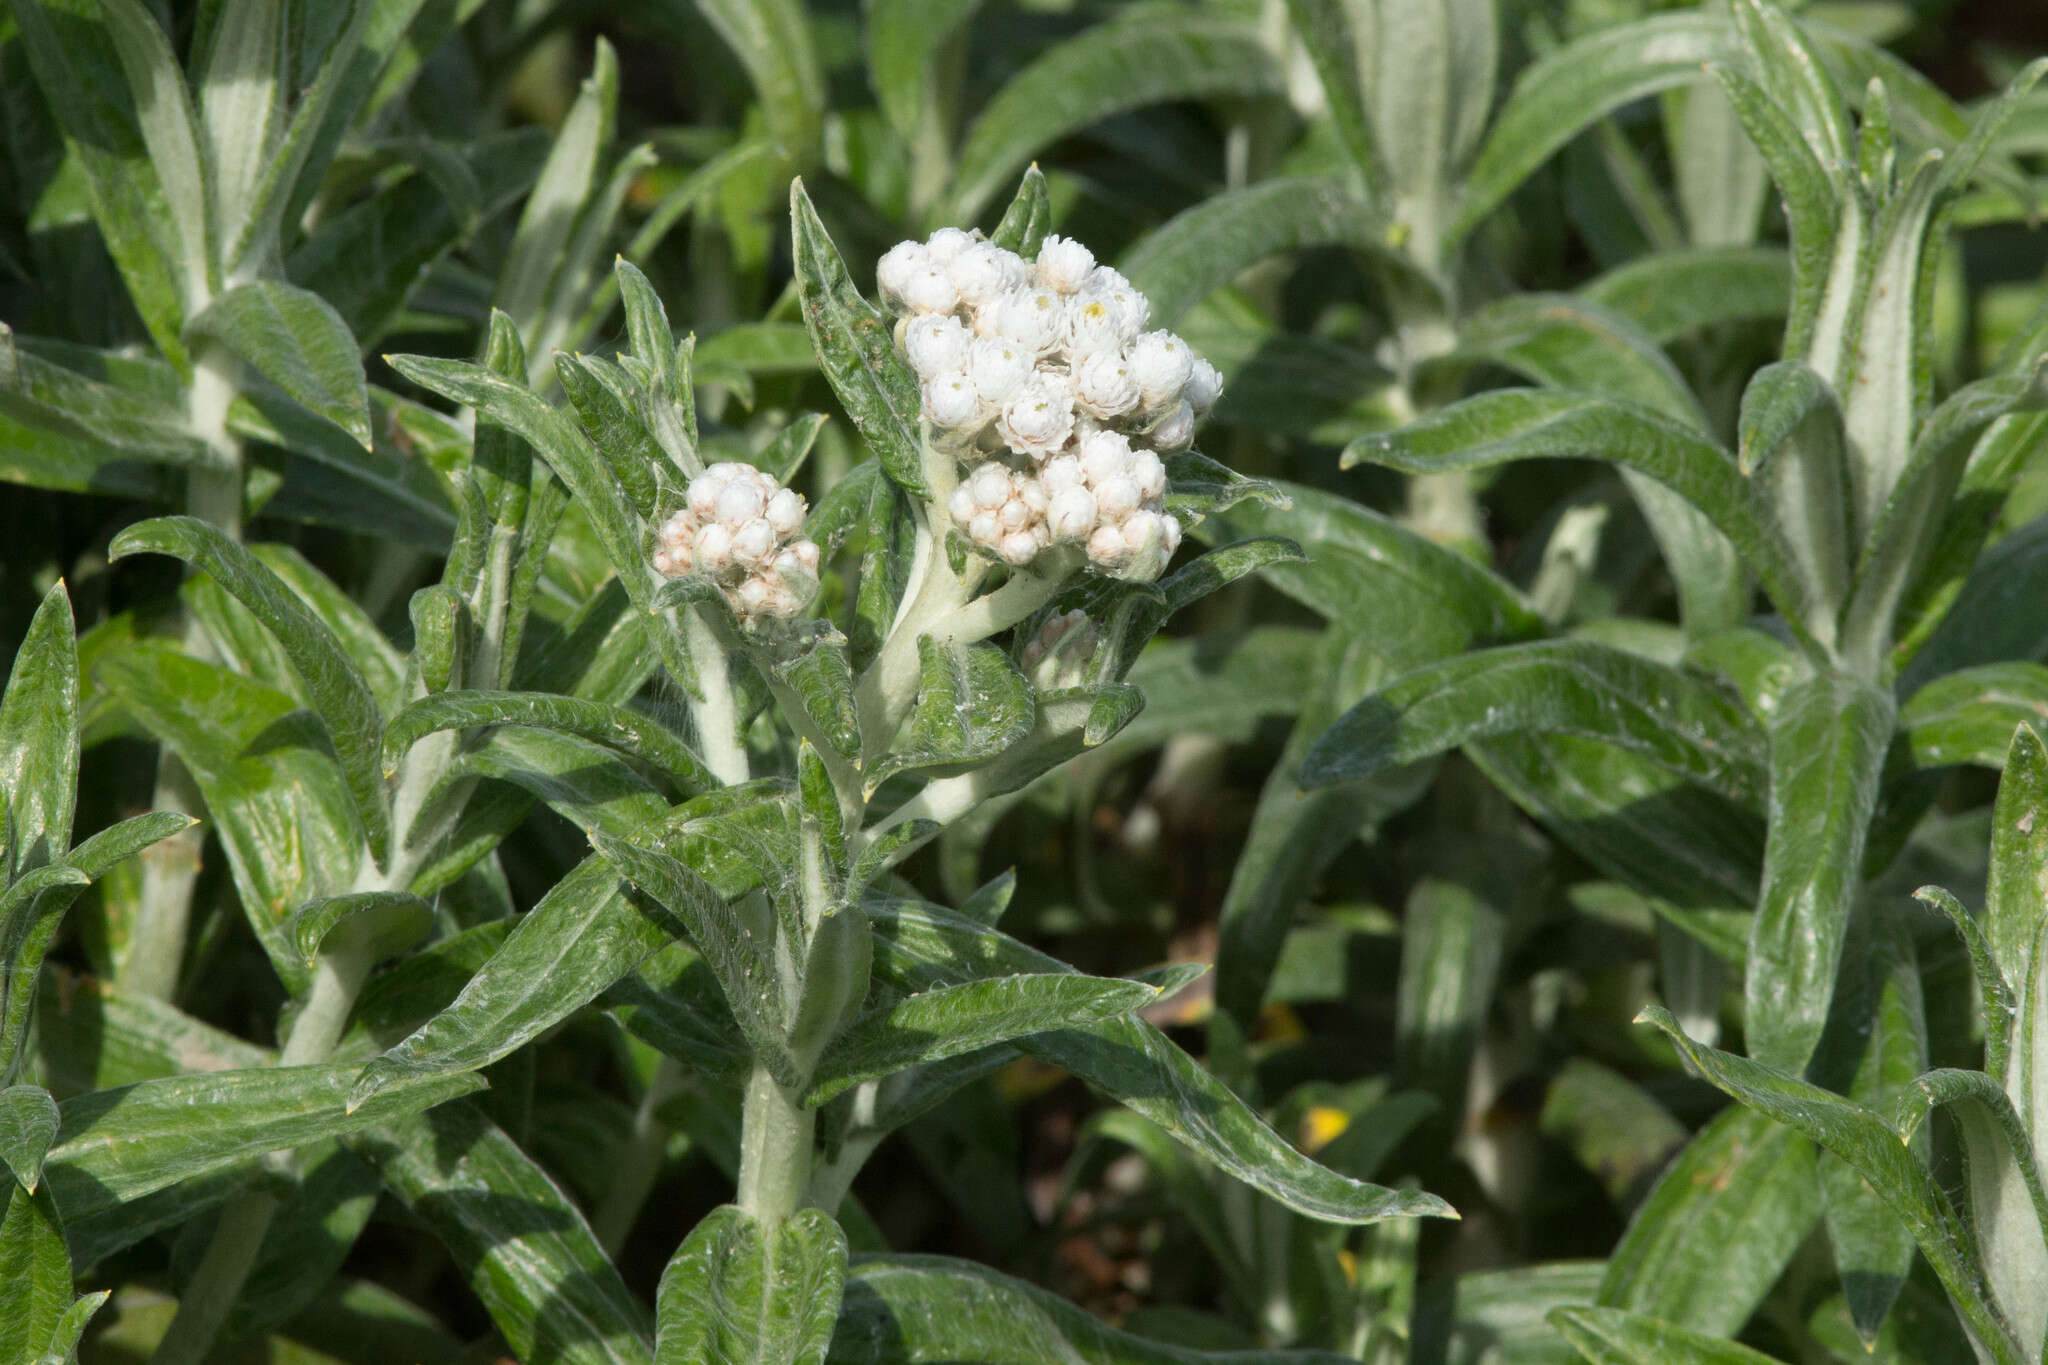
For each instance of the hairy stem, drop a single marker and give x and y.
(775, 1149)
(217, 1281)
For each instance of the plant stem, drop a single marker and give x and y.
(217, 1282)
(775, 1149)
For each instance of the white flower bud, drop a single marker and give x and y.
(753, 595)
(1148, 472)
(739, 502)
(951, 404)
(1176, 431)
(990, 484)
(1032, 494)
(1169, 532)
(899, 264)
(980, 274)
(1107, 549)
(1014, 515)
(1037, 421)
(1105, 455)
(1205, 386)
(1072, 514)
(1116, 498)
(1063, 264)
(702, 494)
(1018, 548)
(785, 512)
(1062, 472)
(1034, 319)
(945, 245)
(931, 291)
(713, 549)
(754, 543)
(961, 506)
(806, 552)
(1103, 386)
(935, 343)
(985, 529)
(1094, 326)
(999, 369)
(1161, 362)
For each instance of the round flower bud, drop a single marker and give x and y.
(1106, 547)
(1063, 264)
(1037, 421)
(985, 529)
(931, 291)
(666, 563)
(1014, 515)
(1148, 472)
(1169, 532)
(806, 552)
(1105, 455)
(785, 511)
(945, 245)
(990, 484)
(1176, 431)
(961, 506)
(979, 274)
(895, 270)
(1034, 319)
(1062, 472)
(789, 566)
(1116, 498)
(935, 343)
(702, 495)
(713, 549)
(1205, 386)
(950, 402)
(1103, 386)
(1161, 363)
(1018, 548)
(1072, 514)
(739, 502)
(999, 369)
(754, 543)
(1032, 494)
(753, 595)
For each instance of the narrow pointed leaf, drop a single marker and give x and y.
(28, 1125)
(386, 923)
(742, 1292)
(972, 704)
(1608, 1336)
(35, 1273)
(617, 727)
(1670, 294)
(29, 912)
(1026, 222)
(1971, 715)
(39, 741)
(296, 340)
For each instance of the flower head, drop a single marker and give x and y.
(744, 531)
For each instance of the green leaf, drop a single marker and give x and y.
(630, 732)
(315, 1228)
(1156, 56)
(337, 686)
(382, 923)
(2015, 930)
(1206, 246)
(118, 1145)
(1331, 42)
(972, 704)
(772, 39)
(1518, 424)
(1608, 1336)
(35, 1274)
(163, 112)
(1718, 1228)
(521, 1242)
(899, 1310)
(297, 341)
(102, 427)
(243, 77)
(743, 1294)
(93, 1035)
(822, 680)
(2008, 1214)
(1679, 721)
(28, 1124)
(39, 741)
(1613, 1126)
(1671, 294)
(71, 1325)
(933, 1025)
(1827, 751)
(1873, 1147)
(1571, 88)
(1026, 222)
(1790, 441)
(570, 179)
(1970, 715)
(857, 351)
(29, 911)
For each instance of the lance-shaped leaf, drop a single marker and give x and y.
(1026, 222)
(1718, 1228)
(972, 704)
(630, 732)
(580, 781)
(934, 1025)
(35, 1273)
(29, 912)
(163, 113)
(339, 691)
(296, 340)
(1608, 1336)
(1670, 294)
(2008, 1213)
(521, 1242)
(28, 1125)
(1790, 441)
(1159, 57)
(742, 1293)
(1680, 721)
(39, 741)
(118, 1145)
(857, 351)
(1827, 748)
(1970, 716)
(901, 1309)
(772, 39)
(822, 679)
(1873, 1147)
(380, 923)
(1519, 424)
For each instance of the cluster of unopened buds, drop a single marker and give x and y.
(1040, 379)
(744, 531)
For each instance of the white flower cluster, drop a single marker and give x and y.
(743, 531)
(1044, 372)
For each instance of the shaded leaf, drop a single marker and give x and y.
(744, 1294)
